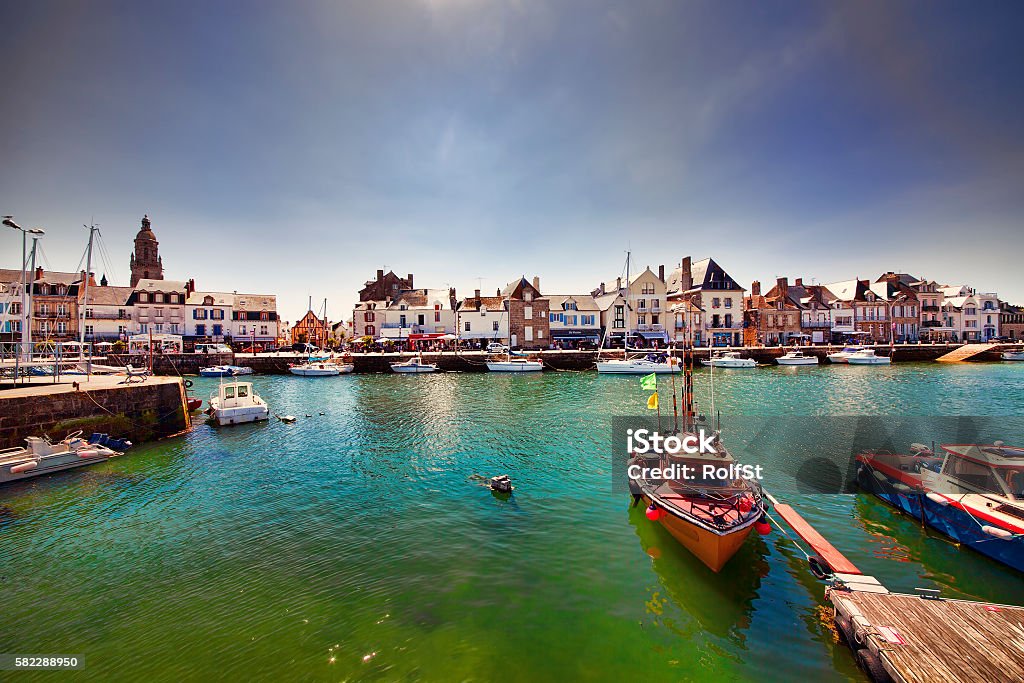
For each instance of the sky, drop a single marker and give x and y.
(295, 148)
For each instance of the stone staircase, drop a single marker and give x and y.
(964, 352)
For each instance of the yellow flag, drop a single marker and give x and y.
(652, 402)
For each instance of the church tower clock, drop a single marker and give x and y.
(146, 263)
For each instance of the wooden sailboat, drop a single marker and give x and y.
(710, 513)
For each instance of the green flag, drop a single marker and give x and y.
(649, 382)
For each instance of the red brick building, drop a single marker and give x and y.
(529, 327)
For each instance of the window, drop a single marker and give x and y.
(174, 328)
(437, 316)
(218, 330)
(88, 313)
(263, 330)
(243, 391)
(371, 330)
(528, 312)
(642, 304)
(143, 328)
(158, 298)
(419, 319)
(368, 316)
(62, 327)
(200, 330)
(159, 312)
(158, 328)
(229, 392)
(716, 302)
(89, 330)
(494, 326)
(241, 330)
(467, 327)
(728, 302)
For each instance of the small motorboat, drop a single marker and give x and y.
(659, 363)
(224, 371)
(730, 359)
(413, 365)
(1012, 355)
(797, 357)
(515, 365)
(237, 403)
(317, 370)
(193, 403)
(868, 357)
(42, 457)
(972, 493)
(844, 355)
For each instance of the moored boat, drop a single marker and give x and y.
(1012, 355)
(645, 364)
(237, 403)
(729, 359)
(42, 457)
(844, 355)
(867, 357)
(514, 365)
(317, 370)
(796, 357)
(224, 371)
(414, 366)
(972, 493)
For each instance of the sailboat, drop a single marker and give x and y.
(641, 363)
(711, 512)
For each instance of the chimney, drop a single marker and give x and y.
(81, 276)
(618, 283)
(755, 288)
(661, 272)
(601, 288)
(409, 278)
(476, 296)
(39, 272)
(783, 285)
(686, 281)
(380, 274)
(799, 282)
(536, 283)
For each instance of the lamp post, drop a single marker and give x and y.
(26, 332)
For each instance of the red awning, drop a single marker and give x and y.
(421, 337)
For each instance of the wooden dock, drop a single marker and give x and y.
(965, 352)
(914, 638)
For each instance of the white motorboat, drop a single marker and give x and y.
(413, 365)
(515, 365)
(659, 363)
(868, 357)
(43, 457)
(1012, 355)
(224, 371)
(319, 369)
(797, 357)
(237, 403)
(730, 359)
(844, 355)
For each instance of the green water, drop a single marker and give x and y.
(356, 545)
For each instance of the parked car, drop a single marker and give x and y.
(497, 347)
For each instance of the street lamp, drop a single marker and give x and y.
(26, 333)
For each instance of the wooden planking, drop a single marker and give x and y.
(964, 352)
(835, 559)
(946, 640)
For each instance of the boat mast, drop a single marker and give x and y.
(85, 288)
(625, 342)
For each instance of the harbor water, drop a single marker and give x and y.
(359, 544)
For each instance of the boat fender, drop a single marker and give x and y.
(903, 488)
(938, 498)
(24, 467)
(85, 453)
(745, 504)
(188, 384)
(763, 528)
(654, 513)
(819, 567)
(878, 475)
(997, 532)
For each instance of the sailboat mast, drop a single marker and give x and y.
(85, 288)
(629, 309)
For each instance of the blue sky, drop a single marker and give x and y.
(294, 148)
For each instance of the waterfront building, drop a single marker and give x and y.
(254, 321)
(899, 292)
(710, 288)
(483, 319)
(639, 307)
(687, 325)
(208, 316)
(416, 315)
(368, 318)
(159, 306)
(573, 319)
(1011, 321)
(528, 312)
(108, 312)
(54, 314)
(934, 318)
(979, 319)
(771, 319)
(814, 303)
(146, 263)
(384, 287)
(310, 329)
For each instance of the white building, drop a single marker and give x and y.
(108, 312)
(419, 315)
(159, 306)
(483, 319)
(254, 319)
(641, 307)
(573, 318)
(706, 284)
(208, 316)
(974, 315)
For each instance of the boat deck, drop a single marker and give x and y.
(925, 640)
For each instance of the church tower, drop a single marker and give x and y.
(146, 262)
